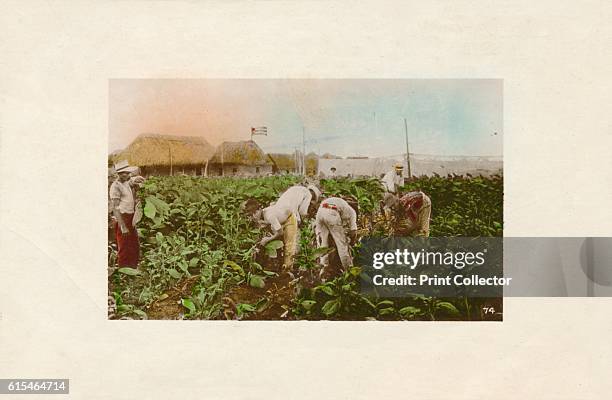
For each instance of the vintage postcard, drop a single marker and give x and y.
(306, 199)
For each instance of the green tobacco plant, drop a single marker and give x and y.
(193, 231)
(463, 206)
(309, 253)
(367, 192)
(336, 299)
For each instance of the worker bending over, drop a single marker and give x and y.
(283, 217)
(409, 214)
(336, 217)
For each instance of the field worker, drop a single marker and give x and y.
(297, 199)
(411, 213)
(332, 173)
(335, 217)
(393, 179)
(123, 197)
(283, 218)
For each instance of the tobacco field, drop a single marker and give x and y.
(198, 258)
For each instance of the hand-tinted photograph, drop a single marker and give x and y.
(249, 199)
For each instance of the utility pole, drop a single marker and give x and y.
(407, 149)
(303, 151)
(375, 126)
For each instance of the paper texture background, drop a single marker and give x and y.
(55, 65)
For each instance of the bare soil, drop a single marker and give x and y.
(169, 306)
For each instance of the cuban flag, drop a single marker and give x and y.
(260, 130)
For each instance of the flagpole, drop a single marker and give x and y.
(303, 150)
(407, 149)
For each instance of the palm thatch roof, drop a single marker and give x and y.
(283, 161)
(243, 153)
(287, 161)
(158, 150)
(312, 161)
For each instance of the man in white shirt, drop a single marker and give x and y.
(393, 179)
(336, 217)
(284, 216)
(122, 196)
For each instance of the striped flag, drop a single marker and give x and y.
(260, 130)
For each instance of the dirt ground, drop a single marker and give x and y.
(169, 305)
(278, 292)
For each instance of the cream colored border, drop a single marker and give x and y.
(56, 60)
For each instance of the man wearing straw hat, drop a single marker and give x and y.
(393, 179)
(123, 196)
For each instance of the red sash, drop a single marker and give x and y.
(330, 206)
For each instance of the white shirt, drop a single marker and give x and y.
(347, 213)
(391, 179)
(122, 191)
(294, 200)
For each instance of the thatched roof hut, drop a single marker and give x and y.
(283, 162)
(239, 159)
(151, 150)
(246, 152)
(312, 163)
(286, 162)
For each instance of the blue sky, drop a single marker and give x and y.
(344, 117)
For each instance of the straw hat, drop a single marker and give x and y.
(124, 166)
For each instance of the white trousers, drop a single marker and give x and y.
(328, 222)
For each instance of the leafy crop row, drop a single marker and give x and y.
(194, 232)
